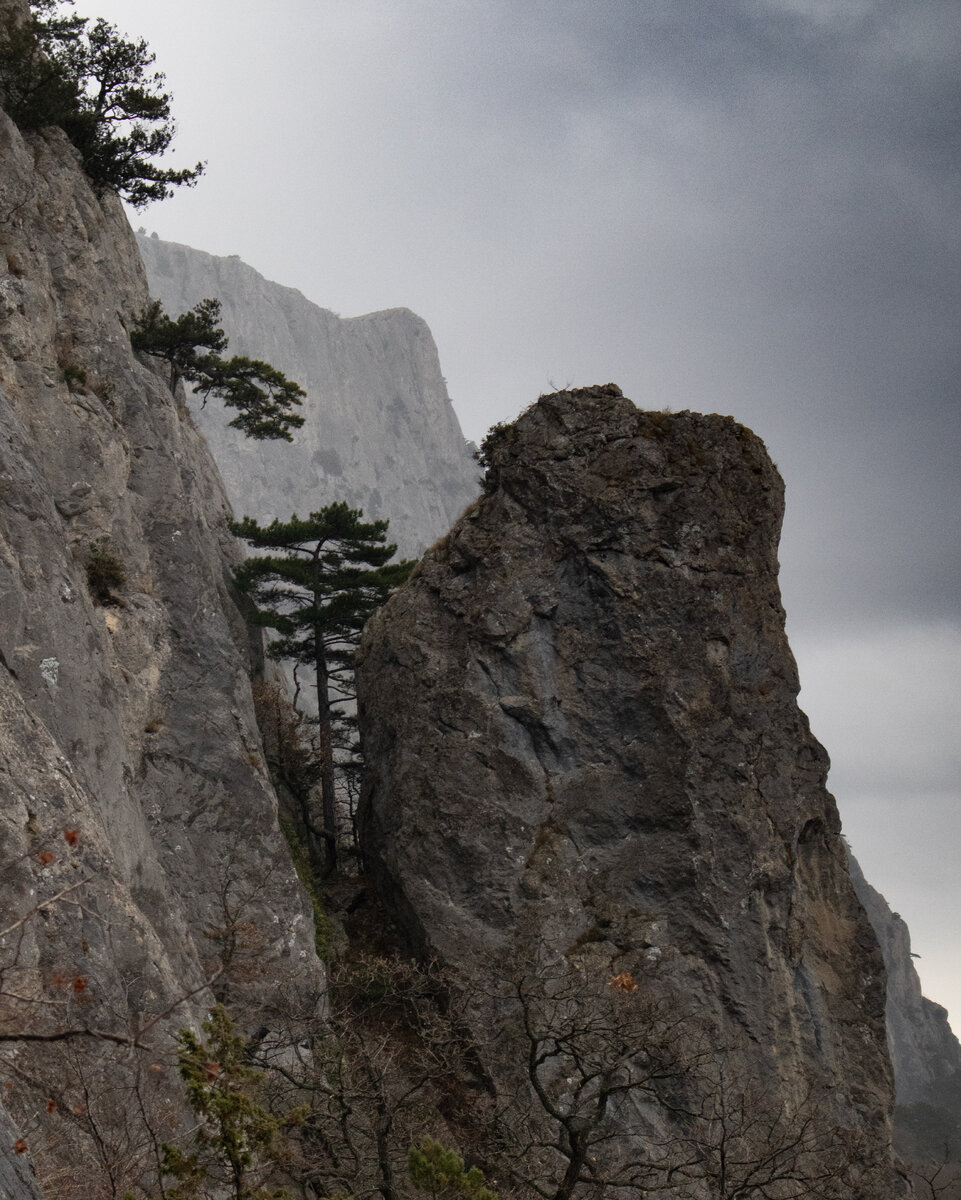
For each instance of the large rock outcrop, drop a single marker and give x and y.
(581, 726)
(380, 432)
(133, 781)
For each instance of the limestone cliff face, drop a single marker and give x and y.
(130, 762)
(380, 431)
(16, 1180)
(925, 1053)
(581, 723)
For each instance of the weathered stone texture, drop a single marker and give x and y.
(16, 1178)
(131, 724)
(581, 726)
(380, 432)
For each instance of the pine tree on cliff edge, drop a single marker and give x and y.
(100, 88)
(330, 572)
(263, 397)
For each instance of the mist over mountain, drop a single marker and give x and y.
(380, 432)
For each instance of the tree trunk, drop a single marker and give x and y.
(575, 1164)
(382, 1125)
(326, 738)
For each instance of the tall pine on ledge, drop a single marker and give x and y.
(327, 575)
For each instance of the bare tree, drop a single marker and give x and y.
(618, 1090)
(240, 949)
(72, 1079)
(98, 1132)
(374, 1075)
(604, 1059)
(746, 1139)
(939, 1180)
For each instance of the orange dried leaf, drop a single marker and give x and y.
(71, 835)
(212, 1070)
(51, 1105)
(46, 857)
(623, 982)
(19, 1146)
(79, 984)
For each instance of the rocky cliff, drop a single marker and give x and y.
(581, 723)
(16, 1178)
(925, 1053)
(380, 431)
(138, 835)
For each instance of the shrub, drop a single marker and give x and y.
(236, 1141)
(105, 573)
(76, 377)
(442, 1172)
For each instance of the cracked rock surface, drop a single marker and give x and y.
(131, 770)
(581, 725)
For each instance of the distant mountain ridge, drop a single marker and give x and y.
(925, 1054)
(380, 431)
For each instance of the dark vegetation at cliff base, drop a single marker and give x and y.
(384, 1092)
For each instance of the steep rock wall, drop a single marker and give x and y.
(16, 1180)
(925, 1054)
(130, 761)
(581, 726)
(380, 433)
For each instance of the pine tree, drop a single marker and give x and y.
(330, 573)
(98, 86)
(236, 1139)
(178, 341)
(35, 87)
(436, 1169)
(263, 397)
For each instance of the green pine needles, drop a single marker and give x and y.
(263, 398)
(326, 576)
(237, 1141)
(99, 87)
(106, 574)
(435, 1169)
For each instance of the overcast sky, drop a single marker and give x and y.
(743, 206)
